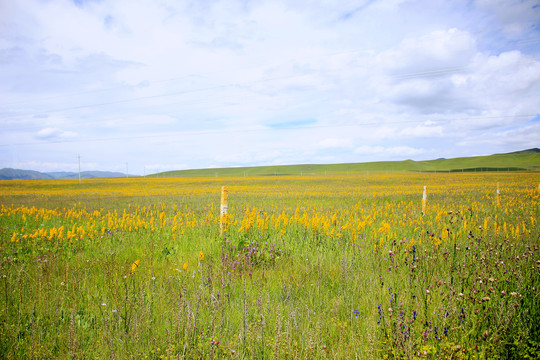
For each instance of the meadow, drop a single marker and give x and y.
(307, 267)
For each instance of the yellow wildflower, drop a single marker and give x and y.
(134, 266)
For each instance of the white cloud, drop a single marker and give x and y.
(437, 52)
(54, 134)
(160, 167)
(335, 143)
(170, 80)
(138, 122)
(467, 82)
(420, 131)
(391, 151)
(518, 138)
(505, 81)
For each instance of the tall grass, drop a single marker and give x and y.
(322, 267)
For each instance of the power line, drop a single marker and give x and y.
(405, 76)
(193, 75)
(529, 41)
(183, 92)
(438, 72)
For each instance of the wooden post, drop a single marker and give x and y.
(424, 201)
(223, 210)
(498, 192)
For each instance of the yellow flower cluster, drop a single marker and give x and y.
(372, 208)
(78, 223)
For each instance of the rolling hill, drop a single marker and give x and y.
(526, 160)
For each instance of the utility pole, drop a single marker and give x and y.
(127, 172)
(79, 156)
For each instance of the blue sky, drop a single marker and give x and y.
(167, 84)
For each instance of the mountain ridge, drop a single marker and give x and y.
(19, 174)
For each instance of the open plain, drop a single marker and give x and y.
(306, 267)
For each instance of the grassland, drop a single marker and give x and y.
(317, 267)
(528, 160)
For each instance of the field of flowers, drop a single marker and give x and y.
(306, 267)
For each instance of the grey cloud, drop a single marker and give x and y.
(436, 98)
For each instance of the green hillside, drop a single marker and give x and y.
(527, 160)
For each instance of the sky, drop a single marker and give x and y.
(157, 85)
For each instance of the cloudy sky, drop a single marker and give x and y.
(180, 84)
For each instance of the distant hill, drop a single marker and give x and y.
(18, 174)
(11, 174)
(528, 151)
(85, 175)
(526, 160)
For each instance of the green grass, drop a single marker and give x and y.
(406, 291)
(500, 162)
